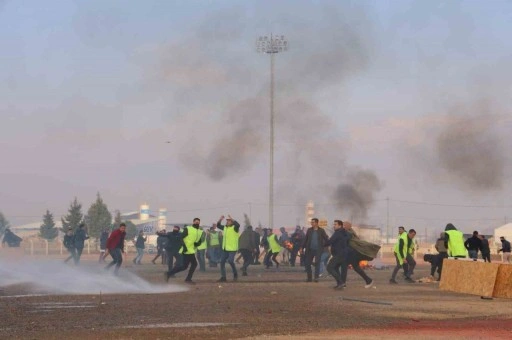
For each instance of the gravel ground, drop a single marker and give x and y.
(267, 304)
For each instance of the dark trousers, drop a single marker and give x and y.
(117, 259)
(161, 252)
(271, 257)
(247, 255)
(293, 254)
(78, 254)
(486, 257)
(353, 259)
(397, 268)
(411, 264)
(170, 259)
(311, 254)
(188, 260)
(256, 256)
(334, 268)
(72, 254)
(437, 263)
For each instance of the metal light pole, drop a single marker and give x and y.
(271, 45)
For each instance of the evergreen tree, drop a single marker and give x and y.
(48, 230)
(98, 217)
(74, 217)
(131, 230)
(4, 224)
(117, 219)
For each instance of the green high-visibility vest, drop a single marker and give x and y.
(214, 238)
(202, 246)
(456, 243)
(402, 236)
(230, 239)
(194, 235)
(273, 244)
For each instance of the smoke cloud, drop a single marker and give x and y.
(309, 151)
(356, 195)
(53, 277)
(471, 152)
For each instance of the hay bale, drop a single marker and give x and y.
(470, 277)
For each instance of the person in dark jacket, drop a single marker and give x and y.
(353, 259)
(313, 245)
(191, 240)
(505, 248)
(103, 245)
(140, 246)
(339, 251)
(115, 247)
(247, 246)
(69, 244)
(297, 238)
(173, 248)
(264, 244)
(80, 237)
(437, 261)
(473, 245)
(160, 246)
(257, 239)
(486, 251)
(11, 239)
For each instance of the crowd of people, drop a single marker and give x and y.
(193, 246)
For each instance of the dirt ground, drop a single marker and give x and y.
(267, 304)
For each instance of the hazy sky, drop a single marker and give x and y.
(374, 99)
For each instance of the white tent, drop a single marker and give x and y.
(505, 230)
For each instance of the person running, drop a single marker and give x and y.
(313, 245)
(354, 258)
(69, 243)
(229, 246)
(80, 237)
(339, 251)
(115, 247)
(160, 246)
(191, 240)
(140, 245)
(274, 248)
(174, 248)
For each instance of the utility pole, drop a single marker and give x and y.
(271, 45)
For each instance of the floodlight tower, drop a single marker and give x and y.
(271, 45)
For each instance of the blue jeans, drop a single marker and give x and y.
(228, 256)
(140, 253)
(201, 259)
(473, 254)
(117, 259)
(323, 261)
(215, 254)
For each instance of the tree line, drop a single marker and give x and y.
(97, 219)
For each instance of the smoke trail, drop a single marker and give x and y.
(357, 194)
(56, 278)
(470, 151)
